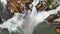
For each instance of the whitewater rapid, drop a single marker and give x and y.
(19, 24)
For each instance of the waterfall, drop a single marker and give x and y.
(4, 3)
(19, 24)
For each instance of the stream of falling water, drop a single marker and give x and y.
(19, 24)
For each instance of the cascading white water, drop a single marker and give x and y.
(4, 3)
(25, 25)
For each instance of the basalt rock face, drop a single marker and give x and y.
(4, 31)
(4, 13)
(15, 6)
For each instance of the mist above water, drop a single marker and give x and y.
(24, 24)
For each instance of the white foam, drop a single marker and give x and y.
(28, 23)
